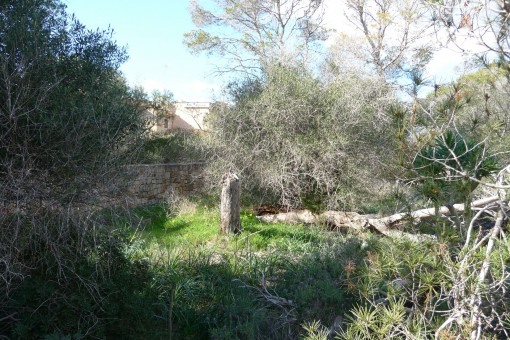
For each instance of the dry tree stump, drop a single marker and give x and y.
(230, 210)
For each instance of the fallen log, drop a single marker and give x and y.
(385, 225)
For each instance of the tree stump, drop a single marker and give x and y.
(230, 206)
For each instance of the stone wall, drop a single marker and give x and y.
(154, 182)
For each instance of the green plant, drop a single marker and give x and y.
(301, 141)
(67, 122)
(449, 167)
(315, 331)
(227, 287)
(172, 147)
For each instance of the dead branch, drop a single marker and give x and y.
(386, 225)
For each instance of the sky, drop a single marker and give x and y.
(152, 31)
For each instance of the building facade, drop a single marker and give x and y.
(179, 115)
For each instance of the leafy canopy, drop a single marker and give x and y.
(66, 113)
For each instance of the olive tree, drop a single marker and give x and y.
(67, 122)
(65, 109)
(300, 141)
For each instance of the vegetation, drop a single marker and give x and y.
(300, 133)
(67, 123)
(253, 34)
(171, 147)
(301, 141)
(273, 281)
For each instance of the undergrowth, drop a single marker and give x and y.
(261, 284)
(168, 267)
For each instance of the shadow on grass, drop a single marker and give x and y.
(223, 297)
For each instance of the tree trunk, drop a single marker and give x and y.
(385, 225)
(230, 205)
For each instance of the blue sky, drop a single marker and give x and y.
(152, 31)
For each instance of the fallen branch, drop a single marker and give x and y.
(352, 220)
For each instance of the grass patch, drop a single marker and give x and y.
(200, 226)
(224, 284)
(272, 281)
(166, 227)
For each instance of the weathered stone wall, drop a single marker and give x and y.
(154, 182)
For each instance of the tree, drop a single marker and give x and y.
(449, 159)
(393, 35)
(252, 34)
(481, 99)
(67, 123)
(485, 21)
(461, 292)
(297, 140)
(65, 109)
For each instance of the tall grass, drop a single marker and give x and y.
(170, 268)
(261, 284)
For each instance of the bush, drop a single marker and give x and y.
(301, 141)
(95, 291)
(173, 147)
(67, 122)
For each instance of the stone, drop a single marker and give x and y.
(336, 328)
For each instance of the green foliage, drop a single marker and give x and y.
(67, 123)
(249, 35)
(301, 141)
(315, 331)
(93, 291)
(65, 110)
(220, 282)
(478, 103)
(380, 322)
(218, 279)
(173, 147)
(314, 200)
(371, 282)
(406, 288)
(445, 167)
(199, 41)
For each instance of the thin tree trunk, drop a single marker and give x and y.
(230, 204)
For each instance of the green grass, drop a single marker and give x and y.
(226, 285)
(220, 279)
(272, 281)
(166, 228)
(268, 282)
(201, 226)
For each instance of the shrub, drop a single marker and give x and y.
(301, 141)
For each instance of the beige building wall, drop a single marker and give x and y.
(181, 115)
(190, 116)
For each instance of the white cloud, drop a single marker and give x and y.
(335, 19)
(446, 65)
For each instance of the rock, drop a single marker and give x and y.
(337, 327)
